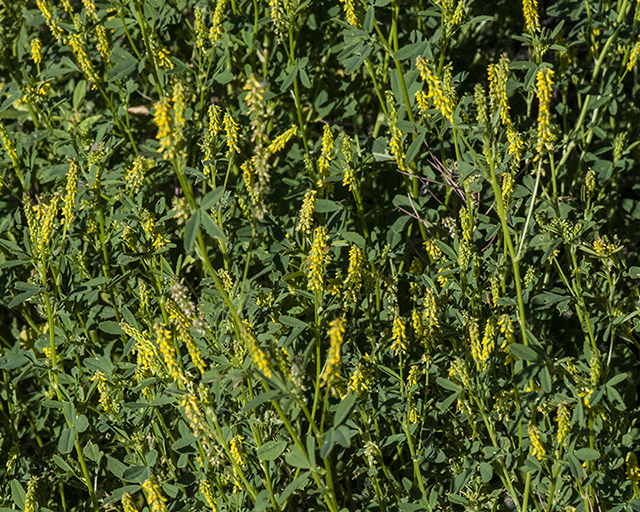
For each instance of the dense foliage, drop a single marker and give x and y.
(336, 255)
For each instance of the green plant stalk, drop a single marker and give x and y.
(530, 212)
(416, 466)
(296, 91)
(152, 59)
(54, 369)
(329, 497)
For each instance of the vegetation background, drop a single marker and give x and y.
(337, 255)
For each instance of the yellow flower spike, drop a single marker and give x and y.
(200, 28)
(355, 274)
(215, 32)
(441, 95)
(633, 472)
(231, 129)
(30, 502)
(51, 22)
(215, 126)
(77, 47)
(162, 119)
(305, 221)
(498, 78)
(155, 499)
(71, 193)
(183, 323)
(318, 259)
(530, 11)
(207, 492)
(127, 503)
(350, 12)
(110, 399)
(538, 450)
(256, 353)
(192, 411)
(398, 335)
(563, 417)
(633, 57)
(332, 367)
(281, 140)
(169, 356)
(103, 43)
(544, 86)
(36, 50)
(326, 155)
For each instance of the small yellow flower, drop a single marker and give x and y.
(306, 212)
(537, 450)
(563, 417)
(326, 155)
(544, 84)
(498, 78)
(155, 499)
(36, 50)
(162, 119)
(332, 367)
(192, 411)
(165, 345)
(350, 12)
(71, 193)
(207, 492)
(398, 335)
(257, 354)
(215, 32)
(30, 498)
(231, 130)
(633, 57)
(318, 259)
(440, 94)
(633, 472)
(77, 47)
(530, 10)
(127, 503)
(281, 140)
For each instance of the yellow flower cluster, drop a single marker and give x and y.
(30, 503)
(207, 492)
(507, 331)
(306, 212)
(127, 503)
(349, 179)
(440, 94)
(154, 233)
(147, 352)
(182, 323)
(134, 176)
(234, 445)
(103, 43)
(280, 141)
(563, 417)
(544, 85)
(355, 274)
(215, 32)
(530, 10)
(231, 129)
(36, 50)
(57, 32)
(359, 380)
(77, 47)
(257, 354)
(9, 146)
(633, 472)
(200, 29)
(71, 190)
(155, 499)
(603, 247)
(326, 155)
(179, 121)
(165, 345)
(332, 367)
(318, 259)
(350, 12)
(197, 422)
(40, 219)
(537, 450)
(498, 77)
(633, 57)
(110, 399)
(162, 119)
(507, 188)
(398, 335)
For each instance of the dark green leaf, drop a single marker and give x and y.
(271, 450)
(67, 440)
(587, 454)
(344, 409)
(326, 206)
(191, 230)
(523, 352)
(296, 458)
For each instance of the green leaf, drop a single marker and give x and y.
(486, 472)
(137, 474)
(212, 229)
(292, 322)
(62, 464)
(271, 450)
(587, 454)
(124, 64)
(18, 494)
(296, 458)
(21, 297)
(634, 272)
(328, 443)
(344, 409)
(110, 327)
(293, 486)
(447, 384)
(524, 352)
(267, 396)
(411, 51)
(67, 440)
(616, 379)
(81, 423)
(191, 230)
(326, 206)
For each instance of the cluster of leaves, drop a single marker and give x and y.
(354, 254)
